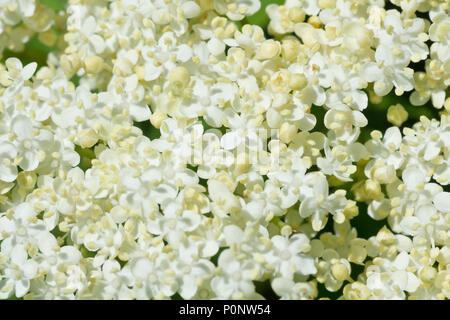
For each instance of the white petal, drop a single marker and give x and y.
(203, 171)
(190, 9)
(30, 269)
(370, 72)
(431, 151)
(184, 53)
(13, 64)
(128, 179)
(359, 119)
(6, 226)
(98, 43)
(188, 288)
(89, 25)
(47, 243)
(151, 72)
(288, 198)
(140, 112)
(307, 207)
(65, 206)
(163, 192)
(438, 99)
(393, 136)
(413, 283)
(19, 255)
(233, 234)
(24, 211)
(417, 99)
(108, 267)
(221, 287)
(22, 287)
(410, 225)
(374, 282)
(8, 173)
(30, 161)
(7, 150)
(29, 70)
(361, 99)
(379, 210)
(230, 140)
(305, 265)
(358, 151)
(70, 254)
(282, 286)
(216, 46)
(190, 220)
(314, 95)
(401, 261)
(308, 122)
(209, 249)
(412, 176)
(400, 278)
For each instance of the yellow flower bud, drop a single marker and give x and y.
(87, 138)
(315, 22)
(290, 49)
(373, 190)
(296, 14)
(93, 64)
(180, 75)
(298, 81)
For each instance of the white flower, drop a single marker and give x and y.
(237, 10)
(316, 201)
(192, 275)
(62, 270)
(17, 72)
(224, 202)
(19, 224)
(287, 289)
(153, 279)
(173, 224)
(389, 279)
(339, 160)
(387, 158)
(94, 43)
(8, 169)
(332, 270)
(17, 273)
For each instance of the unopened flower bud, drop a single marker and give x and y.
(87, 138)
(298, 81)
(268, 50)
(93, 64)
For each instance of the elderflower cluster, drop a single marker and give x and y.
(170, 149)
